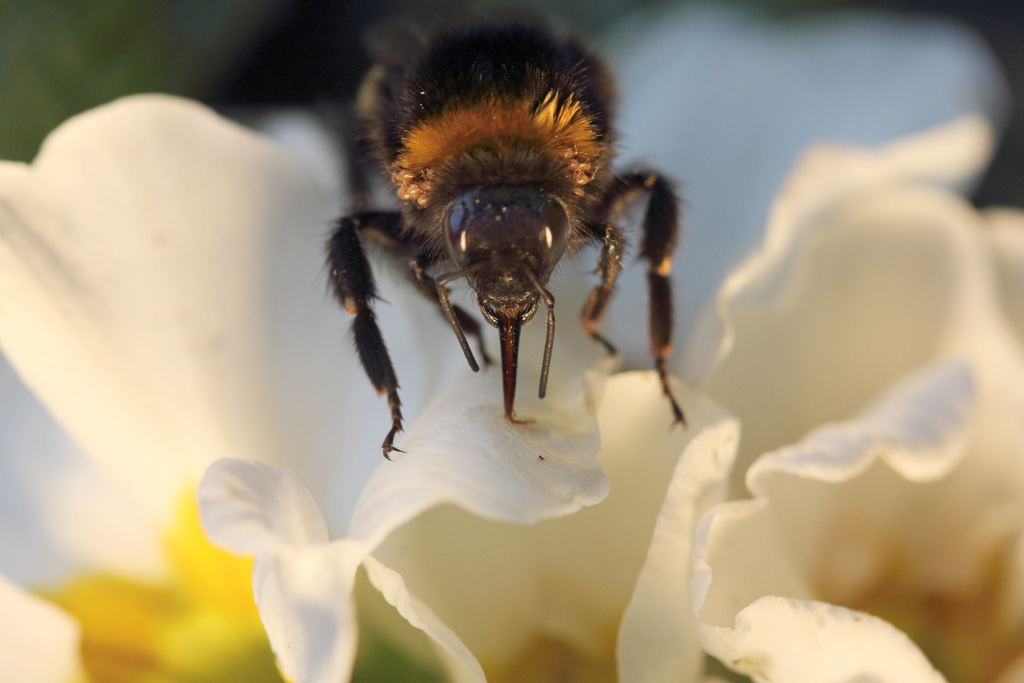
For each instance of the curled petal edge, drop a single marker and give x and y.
(918, 428)
(657, 639)
(302, 584)
(771, 641)
(949, 155)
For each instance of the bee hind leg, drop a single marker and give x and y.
(659, 235)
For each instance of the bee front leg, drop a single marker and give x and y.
(354, 288)
(608, 266)
(428, 287)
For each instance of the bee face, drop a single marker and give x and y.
(498, 140)
(508, 236)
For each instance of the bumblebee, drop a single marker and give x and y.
(498, 141)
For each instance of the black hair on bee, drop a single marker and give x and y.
(498, 141)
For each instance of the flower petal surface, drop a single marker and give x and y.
(657, 636)
(726, 103)
(38, 641)
(302, 584)
(1006, 235)
(528, 598)
(779, 639)
(137, 285)
(59, 513)
(462, 450)
(831, 516)
(868, 272)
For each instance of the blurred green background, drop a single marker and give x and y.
(60, 57)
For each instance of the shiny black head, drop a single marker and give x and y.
(509, 238)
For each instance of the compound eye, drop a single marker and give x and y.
(555, 234)
(457, 233)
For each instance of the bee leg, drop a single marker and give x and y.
(660, 232)
(608, 266)
(354, 288)
(428, 287)
(374, 102)
(385, 229)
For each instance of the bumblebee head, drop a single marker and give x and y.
(509, 238)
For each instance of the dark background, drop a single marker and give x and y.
(58, 58)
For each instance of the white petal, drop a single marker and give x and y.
(832, 515)
(832, 485)
(60, 514)
(304, 595)
(825, 178)
(302, 584)
(1006, 235)
(38, 641)
(392, 586)
(248, 507)
(305, 135)
(850, 296)
(657, 636)
(462, 450)
(498, 589)
(726, 102)
(922, 432)
(917, 429)
(144, 255)
(779, 639)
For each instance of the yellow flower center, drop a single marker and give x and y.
(546, 660)
(201, 625)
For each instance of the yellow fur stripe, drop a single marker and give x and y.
(561, 129)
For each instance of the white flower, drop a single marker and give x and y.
(124, 310)
(728, 103)
(40, 641)
(131, 215)
(869, 334)
(1006, 233)
(517, 602)
(161, 293)
(433, 532)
